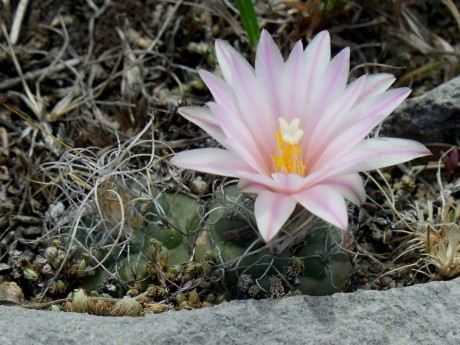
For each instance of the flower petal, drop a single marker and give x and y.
(229, 59)
(271, 211)
(355, 127)
(277, 183)
(351, 187)
(212, 161)
(318, 138)
(205, 119)
(325, 202)
(260, 118)
(378, 106)
(327, 90)
(377, 153)
(376, 83)
(221, 91)
(293, 86)
(317, 56)
(239, 139)
(269, 67)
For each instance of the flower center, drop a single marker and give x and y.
(288, 156)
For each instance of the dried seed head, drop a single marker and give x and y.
(155, 291)
(162, 260)
(82, 265)
(47, 270)
(67, 306)
(193, 270)
(184, 305)
(245, 282)
(194, 299)
(180, 297)
(276, 287)
(210, 299)
(30, 273)
(133, 291)
(98, 307)
(80, 302)
(256, 292)
(156, 308)
(58, 287)
(174, 272)
(155, 247)
(211, 256)
(51, 253)
(126, 307)
(58, 260)
(295, 270)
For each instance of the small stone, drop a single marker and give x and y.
(10, 292)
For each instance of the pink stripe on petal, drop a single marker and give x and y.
(294, 85)
(335, 76)
(342, 143)
(377, 83)
(221, 91)
(271, 211)
(205, 119)
(335, 114)
(268, 67)
(351, 187)
(256, 110)
(380, 105)
(277, 183)
(339, 138)
(239, 138)
(326, 203)
(317, 56)
(229, 59)
(329, 87)
(212, 161)
(255, 183)
(376, 153)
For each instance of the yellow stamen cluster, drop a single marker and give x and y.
(288, 156)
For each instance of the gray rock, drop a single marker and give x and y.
(431, 118)
(421, 314)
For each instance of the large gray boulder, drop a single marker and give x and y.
(421, 314)
(433, 117)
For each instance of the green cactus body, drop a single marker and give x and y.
(327, 264)
(172, 220)
(232, 235)
(174, 226)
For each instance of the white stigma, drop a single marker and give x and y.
(290, 132)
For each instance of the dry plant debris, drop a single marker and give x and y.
(90, 87)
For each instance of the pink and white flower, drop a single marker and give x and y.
(295, 131)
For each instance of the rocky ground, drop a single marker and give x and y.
(80, 80)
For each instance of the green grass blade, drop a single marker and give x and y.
(248, 16)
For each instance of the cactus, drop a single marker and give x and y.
(172, 220)
(154, 257)
(320, 267)
(327, 264)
